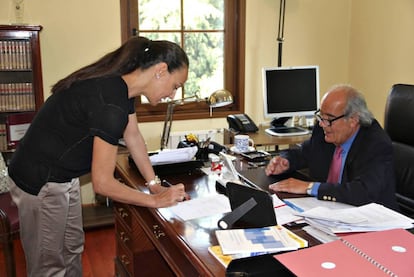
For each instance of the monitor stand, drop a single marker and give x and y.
(278, 128)
(279, 121)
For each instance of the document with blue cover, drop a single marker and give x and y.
(259, 240)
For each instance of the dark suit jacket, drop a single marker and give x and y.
(368, 174)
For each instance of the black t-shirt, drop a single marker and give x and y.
(58, 144)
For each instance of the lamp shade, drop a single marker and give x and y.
(220, 98)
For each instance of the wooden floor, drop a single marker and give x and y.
(97, 258)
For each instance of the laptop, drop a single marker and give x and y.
(253, 177)
(257, 177)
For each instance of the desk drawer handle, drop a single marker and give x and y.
(157, 232)
(122, 212)
(124, 260)
(123, 236)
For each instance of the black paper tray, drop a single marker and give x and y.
(174, 168)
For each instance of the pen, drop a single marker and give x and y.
(165, 183)
(293, 206)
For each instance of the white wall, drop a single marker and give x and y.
(381, 48)
(310, 37)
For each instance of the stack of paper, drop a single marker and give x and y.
(370, 217)
(169, 156)
(319, 234)
(286, 209)
(258, 240)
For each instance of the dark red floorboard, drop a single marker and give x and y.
(97, 258)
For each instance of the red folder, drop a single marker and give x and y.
(392, 249)
(382, 253)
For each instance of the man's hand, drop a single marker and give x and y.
(290, 185)
(277, 165)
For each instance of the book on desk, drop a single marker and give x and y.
(242, 243)
(259, 240)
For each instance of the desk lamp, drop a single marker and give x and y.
(219, 98)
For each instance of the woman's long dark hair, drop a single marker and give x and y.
(137, 52)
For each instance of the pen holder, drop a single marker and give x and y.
(202, 154)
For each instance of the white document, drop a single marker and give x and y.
(169, 156)
(201, 207)
(288, 213)
(284, 213)
(347, 216)
(370, 217)
(17, 131)
(307, 203)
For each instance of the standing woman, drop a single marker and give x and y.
(75, 132)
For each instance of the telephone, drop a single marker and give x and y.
(241, 123)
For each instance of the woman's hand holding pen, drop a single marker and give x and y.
(165, 183)
(169, 194)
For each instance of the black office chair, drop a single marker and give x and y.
(398, 123)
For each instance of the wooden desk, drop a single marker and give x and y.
(154, 242)
(261, 138)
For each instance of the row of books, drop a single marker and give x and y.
(3, 138)
(15, 55)
(16, 97)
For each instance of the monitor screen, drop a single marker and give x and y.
(290, 91)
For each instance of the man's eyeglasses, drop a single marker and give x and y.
(327, 122)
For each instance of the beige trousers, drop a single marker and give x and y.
(51, 229)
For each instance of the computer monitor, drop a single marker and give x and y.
(289, 92)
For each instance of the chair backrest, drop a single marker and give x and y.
(398, 123)
(399, 114)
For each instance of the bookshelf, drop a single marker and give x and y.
(21, 84)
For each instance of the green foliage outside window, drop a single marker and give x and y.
(198, 26)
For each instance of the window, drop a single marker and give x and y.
(212, 34)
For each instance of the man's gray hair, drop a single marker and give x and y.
(356, 105)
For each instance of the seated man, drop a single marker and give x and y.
(362, 171)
